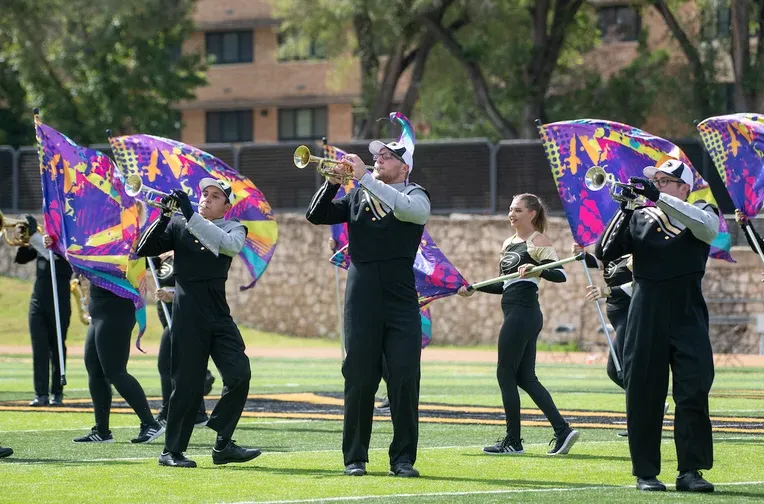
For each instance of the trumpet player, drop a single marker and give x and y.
(667, 325)
(204, 244)
(42, 318)
(385, 216)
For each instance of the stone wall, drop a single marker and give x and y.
(297, 293)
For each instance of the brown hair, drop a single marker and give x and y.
(535, 204)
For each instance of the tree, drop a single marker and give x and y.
(96, 64)
(547, 27)
(747, 51)
(386, 37)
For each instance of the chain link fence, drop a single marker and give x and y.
(464, 175)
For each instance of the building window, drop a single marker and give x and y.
(229, 46)
(302, 124)
(229, 126)
(717, 20)
(619, 23)
(295, 47)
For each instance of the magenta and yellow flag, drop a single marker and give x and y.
(93, 222)
(166, 165)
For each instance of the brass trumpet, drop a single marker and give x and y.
(596, 178)
(19, 238)
(325, 166)
(134, 186)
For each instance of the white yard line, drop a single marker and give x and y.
(476, 492)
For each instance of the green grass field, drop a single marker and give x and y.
(302, 460)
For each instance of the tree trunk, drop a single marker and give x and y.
(417, 73)
(369, 62)
(741, 52)
(479, 86)
(701, 89)
(547, 46)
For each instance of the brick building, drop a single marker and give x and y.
(264, 87)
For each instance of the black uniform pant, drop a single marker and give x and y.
(517, 367)
(668, 327)
(164, 364)
(107, 349)
(202, 328)
(381, 318)
(42, 328)
(617, 318)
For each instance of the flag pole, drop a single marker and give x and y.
(535, 269)
(755, 242)
(340, 331)
(613, 354)
(54, 282)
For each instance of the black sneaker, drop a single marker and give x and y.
(209, 379)
(171, 459)
(234, 453)
(148, 433)
(505, 446)
(94, 437)
(5, 452)
(58, 400)
(692, 481)
(40, 400)
(384, 406)
(623, 434)
(563, 442)
(161, 418)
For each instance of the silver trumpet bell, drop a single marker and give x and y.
(596, 178)
(134, 186)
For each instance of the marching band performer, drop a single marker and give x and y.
(386, 217)
(667, 323)
(523, 322)
(204, 244)
(165, 294)
(42, 317)
(744, 224)
(107, 350)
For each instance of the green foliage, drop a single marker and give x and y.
(96, 64)
(627, 96)
(499, 40)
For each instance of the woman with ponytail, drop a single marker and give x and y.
(523, 321)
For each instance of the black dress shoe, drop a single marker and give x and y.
(692, 481)
(355, 469)
(404, 470)
(171, 459)
(234, 453)
(650, 485)
(40, 400)
(5, 452)
(58, 400)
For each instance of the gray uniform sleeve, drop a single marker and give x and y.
(702, 222)
(36, 242)
(413, 206)
(217, 240)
